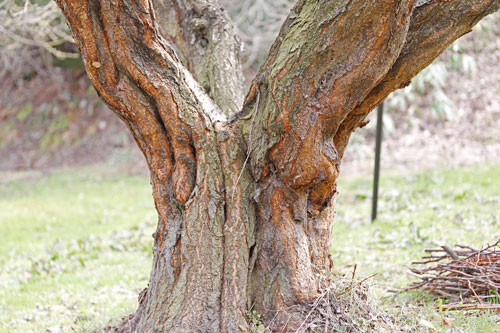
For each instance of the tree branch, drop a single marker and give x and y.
(135, 72)
(434, 26)
(328, 56)
(205, 41)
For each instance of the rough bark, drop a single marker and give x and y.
(172, 119)
(303, 98)
(204, 38)
(309, 106)
(245, 199)
(434, 26)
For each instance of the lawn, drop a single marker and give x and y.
(75, 248)
(416, 211)
(75, 244)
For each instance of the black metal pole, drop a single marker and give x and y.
(378, 144)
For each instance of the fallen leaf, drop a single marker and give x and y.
(427, 324)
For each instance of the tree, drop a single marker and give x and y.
(245, 186)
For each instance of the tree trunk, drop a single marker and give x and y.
(245, 190)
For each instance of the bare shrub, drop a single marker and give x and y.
(31, 35)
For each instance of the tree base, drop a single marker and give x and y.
(343, 304)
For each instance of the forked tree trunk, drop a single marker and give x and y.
(245, 187)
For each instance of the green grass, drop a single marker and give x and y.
(75, 248)
(75, 244)
(416, 211)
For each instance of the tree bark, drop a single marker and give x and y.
(245, 190)
(204, 39)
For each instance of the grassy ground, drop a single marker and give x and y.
(75, 244)
(74, 249)
(416, 211)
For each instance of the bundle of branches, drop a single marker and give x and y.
(468, 278)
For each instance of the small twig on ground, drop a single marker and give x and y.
(493, 307)
(358, 283)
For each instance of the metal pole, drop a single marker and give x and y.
(378, 144)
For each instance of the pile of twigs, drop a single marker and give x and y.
(468, 278)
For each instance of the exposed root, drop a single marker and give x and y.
(128, 324)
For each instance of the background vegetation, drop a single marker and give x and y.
(75, 242)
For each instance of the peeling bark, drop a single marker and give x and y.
(245, 194)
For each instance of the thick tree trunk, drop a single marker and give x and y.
(245, 194)
(201, 252)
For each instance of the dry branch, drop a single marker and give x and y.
(469, 278)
